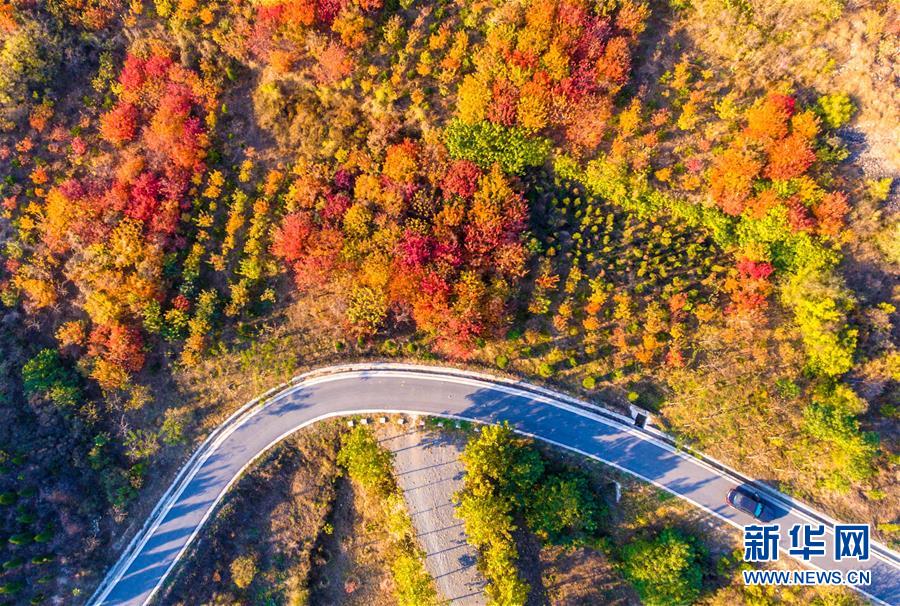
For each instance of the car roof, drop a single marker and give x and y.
(746, 499)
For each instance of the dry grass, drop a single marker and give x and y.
(275, 514)
(812, 44)
(355, 573)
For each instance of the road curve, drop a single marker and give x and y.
(357, 389)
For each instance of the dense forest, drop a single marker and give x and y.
(687, 205)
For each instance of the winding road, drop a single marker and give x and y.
(364, 389)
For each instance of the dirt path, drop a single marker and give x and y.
(430, 473)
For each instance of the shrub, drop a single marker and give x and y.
(836, 109)
(665, 570)
(589, 382)
(243, 571)
(44, 536)
(22, 538)
(501, 361)
(12, 587)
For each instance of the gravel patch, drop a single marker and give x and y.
(429, 473)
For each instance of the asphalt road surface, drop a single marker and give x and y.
(429, 473)
(218, 463)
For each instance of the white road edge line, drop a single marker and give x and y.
(436, 373)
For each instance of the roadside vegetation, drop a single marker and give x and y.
(262, 545)
(685, 205)
(648, 540)
(370, 466)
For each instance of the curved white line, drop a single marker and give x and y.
(434, 373)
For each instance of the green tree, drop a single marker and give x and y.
(562, 510)
(831, 418)
(836, 109)
(486, 143)
(487, 518)
(821, 304)
(500, 470)
(506, 587)
(498, 461)
(665, 570)
(365, 461)
(46, 375)
(413, 584)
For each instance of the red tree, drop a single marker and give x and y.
(789, 157)
(289, 240)
(119, 125)
(461, 179)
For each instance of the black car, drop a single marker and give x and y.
(749, 502)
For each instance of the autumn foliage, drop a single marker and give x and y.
(108, 234)
(776, 145)
(438, 241)
(553, 68)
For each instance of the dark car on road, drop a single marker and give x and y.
(749, 501)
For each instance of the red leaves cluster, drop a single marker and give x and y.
(732, 177)
(414, 249)
(755, 270)
(751, 289)
(144, 197)
(831, 212)
(461, 179)
(504, 101)
(768, 119)
(401, 162)
(290, 238)
(159, 112)
(334, 64)
(569, 61)
(89, 14)
(776, 144)
(176, 132)
(119, 344)
(790, 157)
(445, 271)
(119, 125)
(122, 225)
(278, 30)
